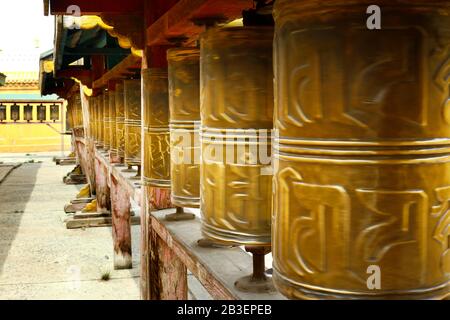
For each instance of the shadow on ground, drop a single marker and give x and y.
(15, 193)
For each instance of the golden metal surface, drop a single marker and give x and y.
(184, 101)
(106, 122)
(77, 115)
(112, 123)
(132, 100)
(99, 105)
(236, 95)
(91, 116)
(69, 115)
(362, 157)
(156, 171)
(120, 120)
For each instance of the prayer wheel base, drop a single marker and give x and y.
(259, 281)
(305, 292)
(253, 285)
(180, 215)
(229, 237)
(138, 174)
(129, 169)
(208, 243)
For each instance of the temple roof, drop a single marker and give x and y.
(22, 78)
(21, 68)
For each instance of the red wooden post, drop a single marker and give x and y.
(121, 225)
(168, 275)
(102, 190)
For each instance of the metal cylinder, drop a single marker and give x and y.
(362, 153)
(77, 115)
(184, 102)
(106, 122)
(156, 170)
(236, 114)
(92, 117)
(120, 120)
(99, 105)
(112, 122)
(132, 100)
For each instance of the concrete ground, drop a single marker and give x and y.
(39, 257)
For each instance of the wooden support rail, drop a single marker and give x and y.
(173, 246)
(121, 188)
(127, 67)
(185, 17)
(216, 268)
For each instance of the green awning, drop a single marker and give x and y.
(4, 97)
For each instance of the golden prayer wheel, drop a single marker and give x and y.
(156, 171)
(120, 121)
(100, 108)
(69, 124)
(184, 97)
(132, 100)
(362, 151)
(112, 122)
(77, 115)
(106, 122)
(91, 117)
(236, 115)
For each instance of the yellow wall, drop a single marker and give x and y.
(33, 137)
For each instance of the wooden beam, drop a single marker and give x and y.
(167, 274)
(121, 225)
(83, 75)
(179, 20)
(128, 66)
(95, 51)
(217, 269)
(89, 7)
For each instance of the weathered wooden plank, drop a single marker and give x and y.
(127, 66)
(178, 21)
(168, 275)
(217, 269)
(102, 189)
(95, 222)
(121, 225)
(96, 7)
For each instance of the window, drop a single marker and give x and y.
(41, 109)
(15, 110)
(54, 112)
(28, 113)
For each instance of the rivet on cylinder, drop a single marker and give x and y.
(362, 150)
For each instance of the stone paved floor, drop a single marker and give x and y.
(39, 257)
